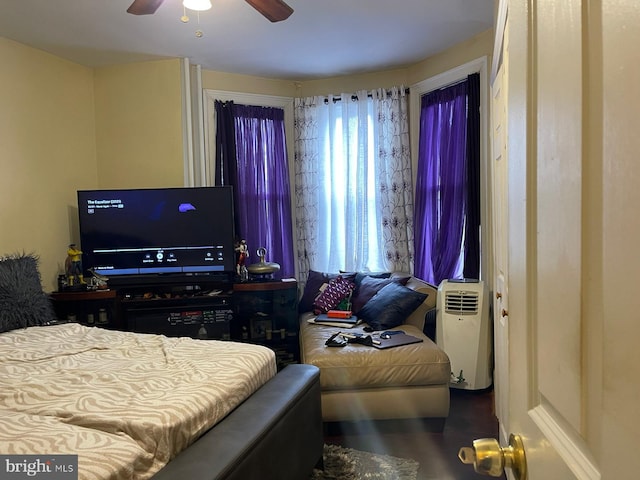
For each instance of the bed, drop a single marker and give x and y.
(142, 406)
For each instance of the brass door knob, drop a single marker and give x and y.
(489, 458)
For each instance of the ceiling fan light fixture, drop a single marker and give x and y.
(197, 5)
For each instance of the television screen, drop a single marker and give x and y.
(161, 231)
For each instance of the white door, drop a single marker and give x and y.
(573, 189)
(499, 170)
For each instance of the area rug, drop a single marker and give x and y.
(348, 464)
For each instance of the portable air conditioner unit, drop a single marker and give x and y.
(463, 331)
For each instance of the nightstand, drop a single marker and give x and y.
(92, 307)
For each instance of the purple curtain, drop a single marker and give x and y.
(261, 175)
(225, 173)
(472, 223)
(441, 186)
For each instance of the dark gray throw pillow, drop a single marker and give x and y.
(391, 306)
(22, 301)
(368, 287)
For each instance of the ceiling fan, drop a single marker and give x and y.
(274, 10)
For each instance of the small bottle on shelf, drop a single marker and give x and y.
(202, 333)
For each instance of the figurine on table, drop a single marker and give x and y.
(74, 265)
(242, 252)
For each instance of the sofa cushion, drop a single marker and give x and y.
(368, 287)
(417, 317)
(391, 306)
(22, 301)
(358, 366)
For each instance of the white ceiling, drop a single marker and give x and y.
(322, 38)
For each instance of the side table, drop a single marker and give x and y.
(91, 307)
(266, 312)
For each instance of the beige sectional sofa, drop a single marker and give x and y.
(360, 382)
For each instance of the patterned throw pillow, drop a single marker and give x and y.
(312, 288)
(335, 292)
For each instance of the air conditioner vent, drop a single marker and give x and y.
(461, 303)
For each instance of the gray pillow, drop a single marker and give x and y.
(22, 301)
(368, 287)
(391, 306)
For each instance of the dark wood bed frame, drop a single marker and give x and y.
(276, 434)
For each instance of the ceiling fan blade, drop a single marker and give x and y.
(144, 7)
(274, 10)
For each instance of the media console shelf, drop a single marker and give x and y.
(263, 312)
(198, 310)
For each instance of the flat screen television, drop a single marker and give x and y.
(144, 235)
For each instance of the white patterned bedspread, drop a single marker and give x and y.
(125, 403)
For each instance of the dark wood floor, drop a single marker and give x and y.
(471, 416)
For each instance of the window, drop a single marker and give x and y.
(353, 182)
(449, 204)
(277, 239)
(349, 223)
(253, 159)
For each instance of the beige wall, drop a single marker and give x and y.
(231, 82)
(47, 150)
(64, 127)
(476, 47)
(139, 125)
(286, 88)
(353, 83)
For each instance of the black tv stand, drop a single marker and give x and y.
(162, 279)
(264, 312)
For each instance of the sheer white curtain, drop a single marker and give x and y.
(396, 185)
(353, 182)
